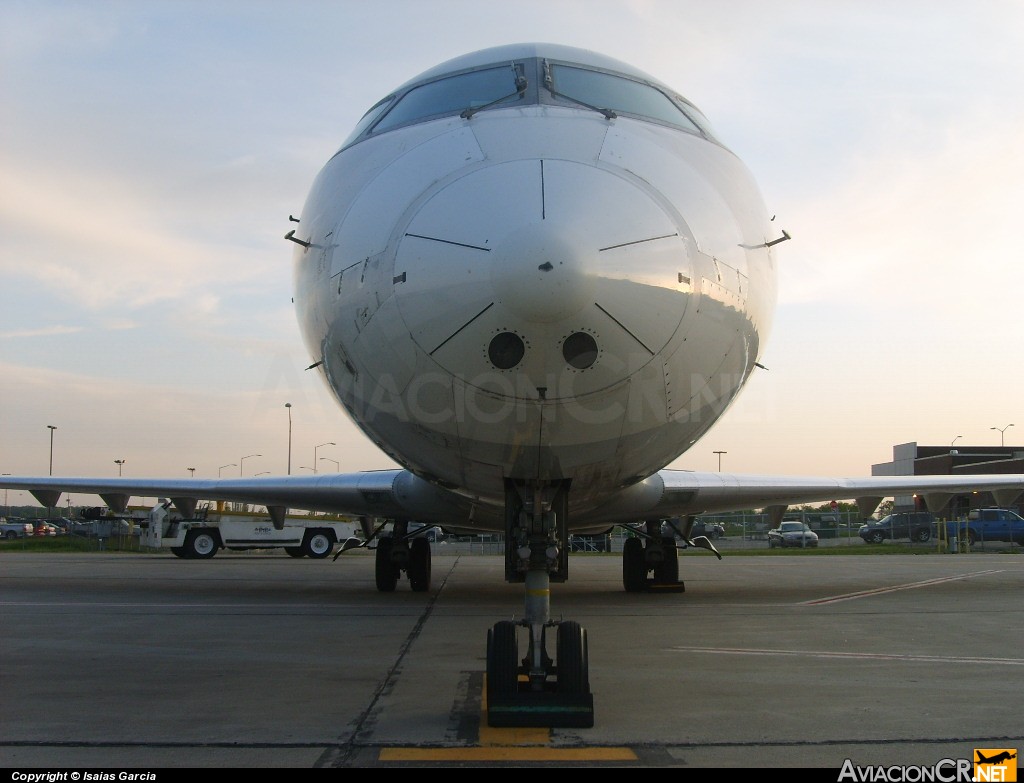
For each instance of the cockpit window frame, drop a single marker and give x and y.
(525, 99)
(535, 93)
(370, 118)
(695, 121)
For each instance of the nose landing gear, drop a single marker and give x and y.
(537, 690)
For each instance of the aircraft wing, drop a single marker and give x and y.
(689, 493)
(400, 494)
(383, 494)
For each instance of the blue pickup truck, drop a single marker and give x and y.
(987, 524)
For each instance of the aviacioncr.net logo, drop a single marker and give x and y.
(998, 765)
(944, 771)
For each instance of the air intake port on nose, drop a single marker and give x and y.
(506, 350)
(580, 350)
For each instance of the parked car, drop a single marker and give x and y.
(988, 524)
(44, 529)
(792, 532)
(915, 525)
(674, 527)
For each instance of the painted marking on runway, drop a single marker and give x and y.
(853, 655)
(510, 753)
(514, 744)
(896, 588)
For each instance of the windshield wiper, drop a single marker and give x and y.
(521, 85)
(549, 83)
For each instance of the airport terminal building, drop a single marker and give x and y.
(911, 459)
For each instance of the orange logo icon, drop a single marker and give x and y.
(995, 765)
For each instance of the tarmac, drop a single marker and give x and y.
(128, 661)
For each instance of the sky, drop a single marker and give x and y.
(151, 153)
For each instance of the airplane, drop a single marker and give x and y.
(996, 759)
(533, 276)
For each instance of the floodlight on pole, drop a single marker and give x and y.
(49, 509)
(241, 462)
(51, 428)
(288, 405)
(316, 448)
(1001, 431)
(119, 463)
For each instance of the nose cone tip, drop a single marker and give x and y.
(539, 271)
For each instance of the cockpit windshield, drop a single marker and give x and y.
(454, 94)
(607, 91)
(527, 81)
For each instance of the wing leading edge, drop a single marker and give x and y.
(399, 494)
(392, 494)
(688, 493)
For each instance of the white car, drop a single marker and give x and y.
(792, 532)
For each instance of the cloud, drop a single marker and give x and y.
(44, 331)
(913, 224)
(102, 243)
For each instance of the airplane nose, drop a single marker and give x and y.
(558, 261)
(539, 271)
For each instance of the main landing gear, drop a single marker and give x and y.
(399, 552)
(649, 561)
(536, 690)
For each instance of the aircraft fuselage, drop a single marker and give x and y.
(535, 290)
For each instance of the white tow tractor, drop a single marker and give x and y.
(207, 532)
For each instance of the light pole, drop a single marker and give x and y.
(316, 448)
(337, 465)
(720, 453)
(288, 405)
(955, 440)
(51, 428)
(261, 473)
(241, 462)
(49, 509)
(229, 465)
(7, 503)
(303, 467)
(119, 463)
(1001, 431)
(191, 472)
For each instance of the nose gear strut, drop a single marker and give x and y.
(537, 690)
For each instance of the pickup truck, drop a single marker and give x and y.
(987, 524)
(15, 529)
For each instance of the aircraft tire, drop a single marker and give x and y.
(502, 660)
(573, 663)
(667, 572)
(295, 551)
(385, 572)
(179, 551)
(634, 566)
(419, 565)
